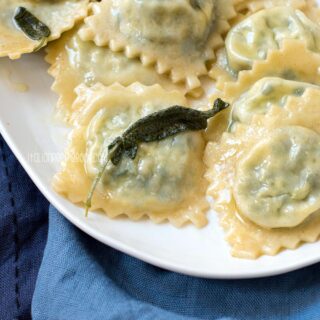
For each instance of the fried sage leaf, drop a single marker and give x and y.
(161, 125)
(155, 127)
(31, 25)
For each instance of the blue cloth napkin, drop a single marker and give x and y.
(23, 233)
(83, 279)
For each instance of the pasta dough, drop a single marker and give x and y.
(59, 16)
(247, 239)
(252, 6)
(251, 39)
(164, 181)
(281, 63)
(265, 93)
(179, 37)
(277, 183)
(74, 61)
(243, 96)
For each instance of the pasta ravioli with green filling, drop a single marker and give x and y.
(164, 182)
(282, 63)
(179, 37)
(74, 61)
(269, 83)
(264, 94)
(264, 178)
(257, 35)
(251, 39)
(277, 183)
(57, 15)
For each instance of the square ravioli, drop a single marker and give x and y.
(165, 181)
(252, 39)
(264, 177)
(178, 37)
(74, 61)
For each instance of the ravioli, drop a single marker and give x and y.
(281, 63)
(265, 93)
(164, 182)
(59, 16)
(244, 94)
(251, 39)
(277, 184)
(74, 61)
(178, 37)
(287, 139)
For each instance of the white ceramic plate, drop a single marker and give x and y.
(26, 124)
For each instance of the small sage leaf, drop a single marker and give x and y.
(32, 27)
(161, 125)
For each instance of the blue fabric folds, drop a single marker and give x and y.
(82, 279)
(23, 233)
